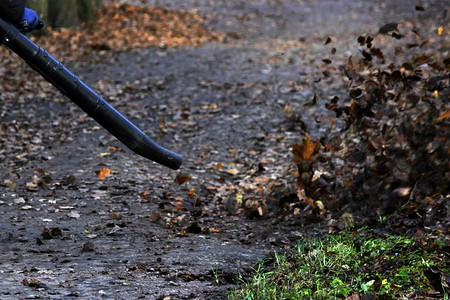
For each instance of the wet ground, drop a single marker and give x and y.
(65, 234)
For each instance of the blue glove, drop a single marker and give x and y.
(29, 21)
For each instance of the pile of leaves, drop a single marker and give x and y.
(121, 27)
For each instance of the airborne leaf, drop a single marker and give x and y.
(306, 151)
(386, 28)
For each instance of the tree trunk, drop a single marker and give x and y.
(65, 13)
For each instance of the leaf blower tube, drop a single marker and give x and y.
(72, 87)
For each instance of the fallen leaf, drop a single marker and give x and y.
(444, 115)
(154, 216)
(105, 172)
(111, 148)
(182, 179)
(146, 195)
(191, 193)
(115, 216)
(435, 94)
(232, 171)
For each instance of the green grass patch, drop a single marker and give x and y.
(337, 266)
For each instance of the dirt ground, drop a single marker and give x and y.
(65, 234)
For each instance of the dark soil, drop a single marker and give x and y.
(137, 234)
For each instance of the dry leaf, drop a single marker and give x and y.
(115, 216)
(306, 151)
(112, 148)
(146, 195)
(182, 179)
(191, 193)
(232, 171)
(444, 115)
(154, 216)
(105, 172)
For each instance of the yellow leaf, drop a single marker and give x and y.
(239, 198)
(105, 172)
(440, 30)
(435, 94)
(320, 205)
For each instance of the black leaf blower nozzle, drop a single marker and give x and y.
(90, 102)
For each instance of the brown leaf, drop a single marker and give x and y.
(154, 216)
(146, 195)
(355, 110)
(306, 151)
(444, 115)
(191, 193)
(371, 86)
(182, 179)
(376, 142)
(353, 297)
(115, 216)
(349, 69)
(105, 172)
(111, 148)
